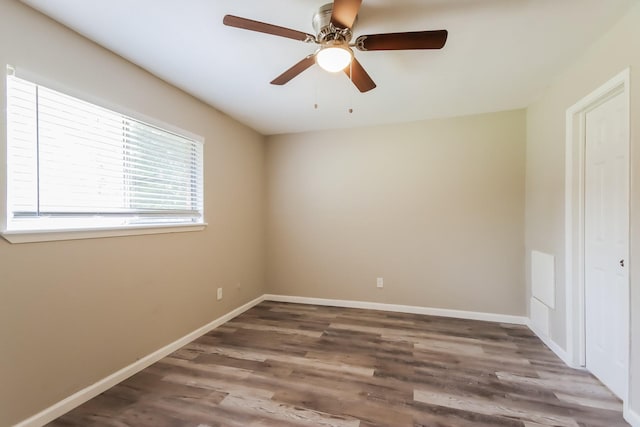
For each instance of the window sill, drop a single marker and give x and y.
(95, 233)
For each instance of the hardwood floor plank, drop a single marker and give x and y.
(579, 389)
(369, 412)
(488, 408)
(280, 330)
(433, 415)
(283, 412)
(213, 369)
(612, 405)
(292, 365)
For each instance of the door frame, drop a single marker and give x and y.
(575, 212)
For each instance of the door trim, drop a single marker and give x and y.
(574, 214)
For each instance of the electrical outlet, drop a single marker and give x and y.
(380, 282)
(219, 294)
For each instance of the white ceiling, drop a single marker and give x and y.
(500, 54)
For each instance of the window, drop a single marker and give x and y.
(72, 165)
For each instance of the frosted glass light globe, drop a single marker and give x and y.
(334, 58)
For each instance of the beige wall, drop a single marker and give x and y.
(436, 208)
(74, 312)
(615, 51)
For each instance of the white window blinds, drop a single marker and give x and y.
(72, 164)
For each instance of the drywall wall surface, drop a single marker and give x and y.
(435, 208)
(73, 312)
(615, 51)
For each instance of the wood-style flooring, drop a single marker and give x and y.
(284, 364)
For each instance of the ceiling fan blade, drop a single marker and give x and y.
(360, 78)
(344, 12)
(295, 70)
(262, 27)
(402, 41)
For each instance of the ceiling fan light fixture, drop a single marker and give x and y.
(334, 58)
(333, 24)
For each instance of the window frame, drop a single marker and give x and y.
(46, 235)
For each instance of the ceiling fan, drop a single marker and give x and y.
(333, 24)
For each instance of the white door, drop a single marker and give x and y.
(607, 243)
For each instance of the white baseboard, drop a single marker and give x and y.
(553, 346)
(631, 416)
(51, 413)
(460, 314)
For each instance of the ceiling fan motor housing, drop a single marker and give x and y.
(325, 30)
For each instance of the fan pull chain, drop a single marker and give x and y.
(315, 99)
(351, 92)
